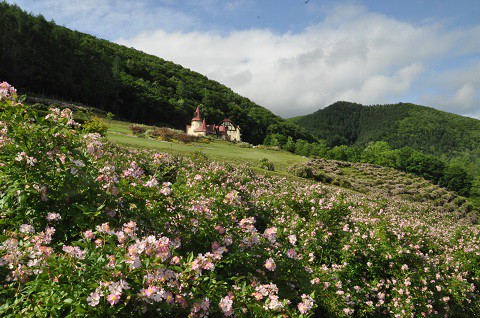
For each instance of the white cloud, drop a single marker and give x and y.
(383, 88)
(464, 100)
(234, 4)
(352, 55)
(457, 90)
(465, 96)
(105, 18)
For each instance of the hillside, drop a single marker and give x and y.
(48, 60)
(90, 228)
(412, 138)
(384, 184)
(422, 128)
(388, 185)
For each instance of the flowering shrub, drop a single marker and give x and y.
(7, 92)
(95, 124)
(266, 164)
(138, 130)
(91, 229)
(168, 134)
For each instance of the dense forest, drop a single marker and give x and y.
(42, 58)
(422, 128)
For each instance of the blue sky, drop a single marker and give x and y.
(296, 56)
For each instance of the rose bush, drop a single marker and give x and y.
(88, 228)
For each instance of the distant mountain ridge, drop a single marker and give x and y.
(40, 57)
(422, 128)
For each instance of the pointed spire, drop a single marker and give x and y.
(204, 125)
(197, 115)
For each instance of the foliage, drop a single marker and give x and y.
(267, 165)
(452, 176)
(457, 179)
(438, 142)
(92, 229)
(95, 125)
(430, 167)
(243, 144)
(168, 134)
(422, 128)
(138, 130)
(385, 183)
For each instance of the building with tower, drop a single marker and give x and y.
(226, 130)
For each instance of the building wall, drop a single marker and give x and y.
(191, 130)
(234, 135)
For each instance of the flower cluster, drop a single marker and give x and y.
(23, 157)
(226, 305)
(7, 91)
(74, 251)
(26, 254)
(64, 115)
(3, 134)
(269, 294)
(94, 144)
(111, 291)
(306, 304)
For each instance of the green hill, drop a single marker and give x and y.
(45, 59)
(422, 128)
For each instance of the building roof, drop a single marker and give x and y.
(197, 115)
(206, 128)
(203, 127)
(227, 122)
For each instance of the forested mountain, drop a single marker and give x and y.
(422, 128)
(40, 57)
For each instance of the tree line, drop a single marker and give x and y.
(422, 128)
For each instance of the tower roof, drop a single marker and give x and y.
(197, 115)
(202, 128)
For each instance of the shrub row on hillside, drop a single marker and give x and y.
(449, 175)
(163, 133)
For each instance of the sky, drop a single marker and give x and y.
(297, 56)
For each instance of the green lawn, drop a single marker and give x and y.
(119, 126)
(217, 150)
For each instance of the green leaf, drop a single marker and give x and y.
(22, 198)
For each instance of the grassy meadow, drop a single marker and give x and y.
(119, 132)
